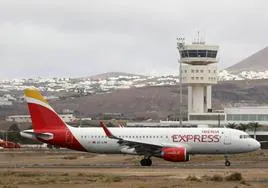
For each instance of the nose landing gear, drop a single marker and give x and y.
(227, 162)
(146, 162)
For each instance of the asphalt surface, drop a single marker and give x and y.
(34, 160)
(188, 165)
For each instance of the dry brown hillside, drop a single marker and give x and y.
(158, 101)
(257, 62)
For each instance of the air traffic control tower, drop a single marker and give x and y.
(199, 71)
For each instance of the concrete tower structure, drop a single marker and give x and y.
(199, 71)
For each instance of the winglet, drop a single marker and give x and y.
(107, 131)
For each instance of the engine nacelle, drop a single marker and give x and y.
(175, 154)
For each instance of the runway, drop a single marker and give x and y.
(53, 168)
(120, 165)
(65, 159)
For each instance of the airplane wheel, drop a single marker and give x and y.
(149, 162)
(143, 162)
(227, 163)
(146, 162)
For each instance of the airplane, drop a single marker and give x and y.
(170, 144)
(8, 144)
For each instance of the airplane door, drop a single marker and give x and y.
(68, 138)
(227, 137)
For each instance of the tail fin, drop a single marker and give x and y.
(44, 118)
(47, 124)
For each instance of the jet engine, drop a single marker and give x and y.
(175, 154)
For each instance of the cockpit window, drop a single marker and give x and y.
(244, 136)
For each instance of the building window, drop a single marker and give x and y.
(192, 71)
(201, 78)
(185, 71)
(197, 78)
(192, 78)
(252, 117)
(196, 71)
(201, 71)
(208, 71)
(207, 117)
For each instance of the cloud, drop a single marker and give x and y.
(81, 38)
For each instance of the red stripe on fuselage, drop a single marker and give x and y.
(46, 121)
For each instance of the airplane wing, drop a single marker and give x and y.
(140, 147)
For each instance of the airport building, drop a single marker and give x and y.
(27, 119)
(198, 62)
(235, 115)
(198, 68)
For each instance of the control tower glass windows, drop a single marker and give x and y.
(192, 53)
(198, 53)
(212, 53)
(201, 53)
(184, 53)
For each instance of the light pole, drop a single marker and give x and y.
(180, 46)
(180, 95)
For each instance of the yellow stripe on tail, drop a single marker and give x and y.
(35, 94)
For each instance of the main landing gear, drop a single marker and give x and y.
(227, 162)
(146, 162)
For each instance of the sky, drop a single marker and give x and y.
(75, 38)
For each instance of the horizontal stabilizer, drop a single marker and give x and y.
(31, 134)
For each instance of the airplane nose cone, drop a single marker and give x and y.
(256, 145)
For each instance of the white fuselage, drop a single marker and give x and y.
(195, 140)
